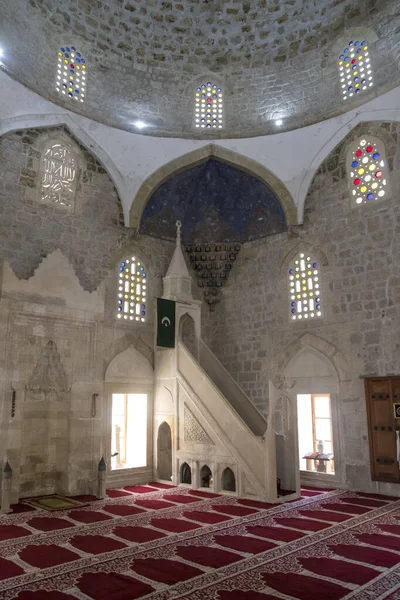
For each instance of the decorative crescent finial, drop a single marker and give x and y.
(178, 232)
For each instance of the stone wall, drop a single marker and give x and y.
(272, 59)
(57, 315)
(358, 251)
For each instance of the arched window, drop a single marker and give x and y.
(132, 290)
(71, 73)
(367, 170)
(209, 111)
(304, 288)
(58, 170)
(355, 68)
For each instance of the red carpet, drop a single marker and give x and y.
(160, 542)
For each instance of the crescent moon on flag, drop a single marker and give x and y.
(165, 321)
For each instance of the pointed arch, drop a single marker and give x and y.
(205, 476)
(321, 346)
(228, 480)
(44, 121)
(199, 156)
(185, 473)
(124, 343)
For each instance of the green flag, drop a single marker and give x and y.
(165, 323)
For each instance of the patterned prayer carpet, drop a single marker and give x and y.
(160, 542)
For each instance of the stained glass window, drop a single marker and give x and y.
(71, 73)
(367, 171)
(209, 110)
(132, 290)
(58, 171)
(355, 68)
(304, 288)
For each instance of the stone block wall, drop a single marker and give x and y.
(358, 251)
(59, 287)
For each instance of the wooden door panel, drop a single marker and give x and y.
(382, 436)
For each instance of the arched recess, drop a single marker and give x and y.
(187, 333)
(327, 349)
(164, 452)
(125, 343)
(228, 481)
(352, 118)
(199, 156)
(205, 476)
(40, 121)
(307, 248)
(185, 474)
(310, 366)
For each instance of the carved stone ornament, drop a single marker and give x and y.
(48, 380)
(193, 431)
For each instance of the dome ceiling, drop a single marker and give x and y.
(272, 59)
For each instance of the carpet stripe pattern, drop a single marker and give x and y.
(158, 542)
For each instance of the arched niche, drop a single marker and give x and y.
(199, 156)
(129, 366)
(185, 474)
(187, 333)
(310, 367)
(164, 452)
(228, 480)
(205, 476)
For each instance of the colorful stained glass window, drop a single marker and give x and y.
(304, 288)
(209, 109)
(367, 171)
(58, 171)
(355, 68)
(71, 73)
(132, 290)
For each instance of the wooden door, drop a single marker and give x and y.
(382, 434)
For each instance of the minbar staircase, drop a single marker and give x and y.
(229, 415)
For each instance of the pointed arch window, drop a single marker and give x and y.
(355, 69)
(71, 76)
(132, 290)
(209, 106)
(58, 170)
(304, 288)
(367, 171)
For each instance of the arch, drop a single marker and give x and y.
(205, 476)
(41, 121)
(185, 473)
(199, 156)
(354, 118)
(187, 332)
(164, 452)
(312, 249)
(129, 365)
(124, 343)
(327, 349)
(228, 480)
